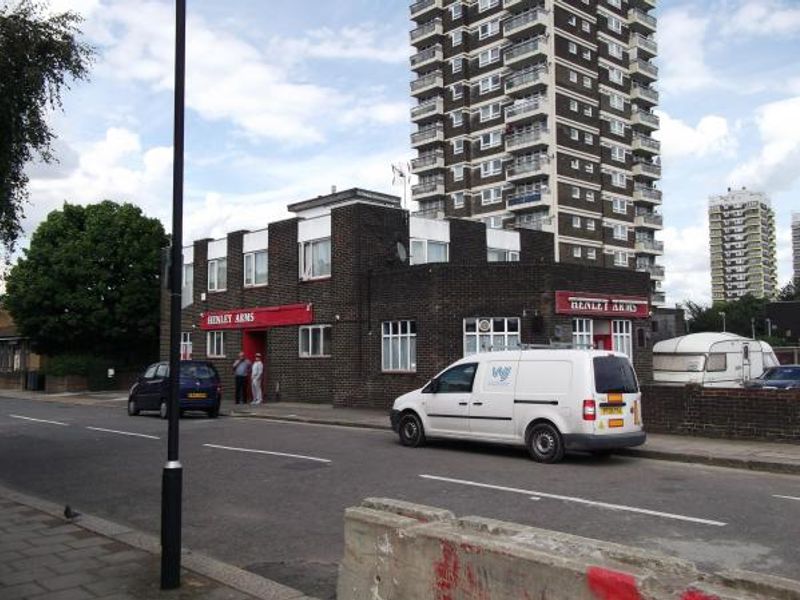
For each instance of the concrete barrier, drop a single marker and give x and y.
(396, 550)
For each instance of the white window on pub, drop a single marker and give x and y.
(491, 334)
(255, 268)
(315, 259)
(501, 255)
(218, 275)
(621, 337)
(428, 251)
(315, 341)
(215, 344)
(582, 333)
(186, 345)
(399, 346)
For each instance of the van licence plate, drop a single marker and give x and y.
(196, 395)
(610, 410)
(616, 422)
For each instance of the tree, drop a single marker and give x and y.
(90, 283)
(789, 292)
(38, 54)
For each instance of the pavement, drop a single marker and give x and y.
(738, 454)
(44, 556)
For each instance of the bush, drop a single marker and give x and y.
(94, 368)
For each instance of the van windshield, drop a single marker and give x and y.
(614, 374)
(679, 362)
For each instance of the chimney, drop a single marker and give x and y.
(333, 189)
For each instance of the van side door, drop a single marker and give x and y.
(447, 400)
(491, 410)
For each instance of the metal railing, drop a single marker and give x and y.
(426, 29)
(426, 80)
(426, 55)
(517, 140)
(523, 20)
(518, 50)
(523, 108)
(524, 77)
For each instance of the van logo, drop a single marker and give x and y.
(501, 373)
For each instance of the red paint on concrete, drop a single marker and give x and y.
(606, 584)
(446, 569)
(695, 595)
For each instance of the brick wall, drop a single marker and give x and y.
(722, 412)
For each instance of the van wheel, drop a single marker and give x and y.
(162, 409)
(545, 444)
(411, 432)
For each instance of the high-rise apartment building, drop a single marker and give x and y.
(796, 248)
(742, 235)
(539, 114)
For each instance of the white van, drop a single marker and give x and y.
(711, 359)
(549, 400)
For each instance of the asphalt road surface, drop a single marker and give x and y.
(270, 497)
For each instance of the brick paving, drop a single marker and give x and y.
(46, 558)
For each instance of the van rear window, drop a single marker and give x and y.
(198, 371)
(614, 374)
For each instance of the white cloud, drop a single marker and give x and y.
(777, 165)
(687, 263)
(360, 42)
(114, 168)
(681, 39)
(711, 136)
(762, 17)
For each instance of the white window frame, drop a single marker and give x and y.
(457, 91)
(590, 195)
(491, 167)
(574, 134)
(619, 206)
(458, 146)
(307, 271)
(622, 337)
(489, 84)
(586, 26)
(406, 354)
(488, 29)
(621, 233)
(590, 226)
(575, 164)
(471, 329)
(456, 64)
(573, 105)
(424, 258)
(249, 268)
(214, 274)
(186, 345)
(457, 118)
(616, 127)
(576, 192)
(591, 254)
(489, 112)
(619, 179)
(458, 199)
(573, 76)
(491, 195)
(576, 252)
(586, 54)
(487, 57)
(576, 222)
(456, 37)
(614, 24)
(215, 344)
(620, 259)
(307, 333)
(495, 138)
(573, 48)
(588, 111)
(587, 82)
(589, 167)
(484, 5)
(616, 75)
(456, 10)
(588, 138)
(573, 20)
(582, 333)
(458, 172)
(616, 50)
(618, 153)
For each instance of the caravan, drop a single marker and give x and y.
(711, 360)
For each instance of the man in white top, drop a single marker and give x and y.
(255, 379)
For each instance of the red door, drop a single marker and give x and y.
(255, 342)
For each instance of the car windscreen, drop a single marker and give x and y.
(679, 362)
(614, 374)
(782, 374)
(198, 371)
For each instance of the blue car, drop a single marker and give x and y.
(200, 389)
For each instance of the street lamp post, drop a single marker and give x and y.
(172, 477)
(722, 314)
(769, 327)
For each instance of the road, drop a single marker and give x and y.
(269, 496)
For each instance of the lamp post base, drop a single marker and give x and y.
(171, 489)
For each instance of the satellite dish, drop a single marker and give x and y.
(402, 253)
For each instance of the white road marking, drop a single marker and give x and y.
(314, 458)
(142, 435)
(39, 420)
(644, 511)
(786, 497)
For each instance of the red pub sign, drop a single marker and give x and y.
(258, 318)
(601, 305)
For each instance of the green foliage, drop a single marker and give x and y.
(37, 56)
(74, 364)
(789, 292)
(740, 317)
(89, 283)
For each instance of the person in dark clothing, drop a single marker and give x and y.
(241, 370)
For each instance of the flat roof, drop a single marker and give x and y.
(353, 194)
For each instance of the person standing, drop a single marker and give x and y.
(241, 369)
(255, 379)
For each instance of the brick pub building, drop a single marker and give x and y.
(355, 301)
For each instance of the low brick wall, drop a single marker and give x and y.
(11, 381)
(58, 384)
(729, 413)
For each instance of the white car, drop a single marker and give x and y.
(549, 400)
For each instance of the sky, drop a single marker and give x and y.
(288, 98)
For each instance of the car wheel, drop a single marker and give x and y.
(162, 409)
(412, 433)
(133, 409)
(545, 444)
(213, 412)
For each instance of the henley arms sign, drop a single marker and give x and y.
(599, 305)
